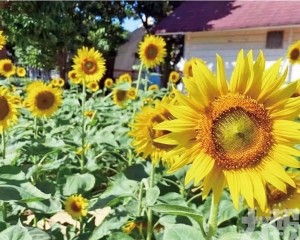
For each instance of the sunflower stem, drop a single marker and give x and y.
(3, 143)
(213, 218)
(139, 78)
(140, 199)
(149, 211)
(82, 159)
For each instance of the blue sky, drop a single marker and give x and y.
(130, 24)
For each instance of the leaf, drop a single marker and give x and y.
(15, 187)
(105, 228)
(182, 232)
(17, 232)
(151, 195)
(119, 236)
(226, 211)
(79, 183)
(39, 234)
(232, 236)
(178, 210)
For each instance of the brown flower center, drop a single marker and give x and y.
(76, 206)
(275, 196)
(7, 67)
(45, 100)
(158, 133)
(190, 71)
(121, 95)
(295, 54)
(151, 51)
(89, 66)
(4, 108)
(236, 132)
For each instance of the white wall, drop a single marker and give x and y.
(205, 45)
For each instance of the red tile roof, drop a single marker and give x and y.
(193, 16)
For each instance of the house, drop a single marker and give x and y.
(225, 27)
(127, 54)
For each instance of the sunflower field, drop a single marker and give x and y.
(218, 160)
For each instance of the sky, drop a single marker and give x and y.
(130, 24)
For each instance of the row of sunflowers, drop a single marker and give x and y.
(135, 161)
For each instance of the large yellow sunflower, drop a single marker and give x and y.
(293, 53)
(143, 133)
(241, 134)
(76, 206)
(89, 64)
(8, 109)
(7, 68)
(43, 100)
(152, 51)
(279, 202)
(187, 68)
(2, 40)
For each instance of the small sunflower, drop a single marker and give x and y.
(8, 109)
(174, 77)
(238, 134)
(108, 83)
(89, 64)
(89, 113)
(120, 97)
(76, 206)
(126, 77)
(293, 53)
(279, 202)
(153, 87)
(148, 101)
(152, 51)
(131, 93)
(93, 86)
(7, 68)
(187, 68)
(44, 100)
(129, 227)
(2, 40)
(21, 72)
(143, 134)
(73, 77)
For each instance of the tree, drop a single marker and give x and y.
(46, 34)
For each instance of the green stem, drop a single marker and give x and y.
(149, 212)
(35, 127)
(140, 199)
(3, 144)
(213, 218)
(4, 215)
(107, 96)
(82, 159)
(139, 78)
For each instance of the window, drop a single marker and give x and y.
(274, 39)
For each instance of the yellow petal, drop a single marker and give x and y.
(200, 167)
(259, 189)
(221, 76)
(247, 188)
(234, 186)
(176, 125)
